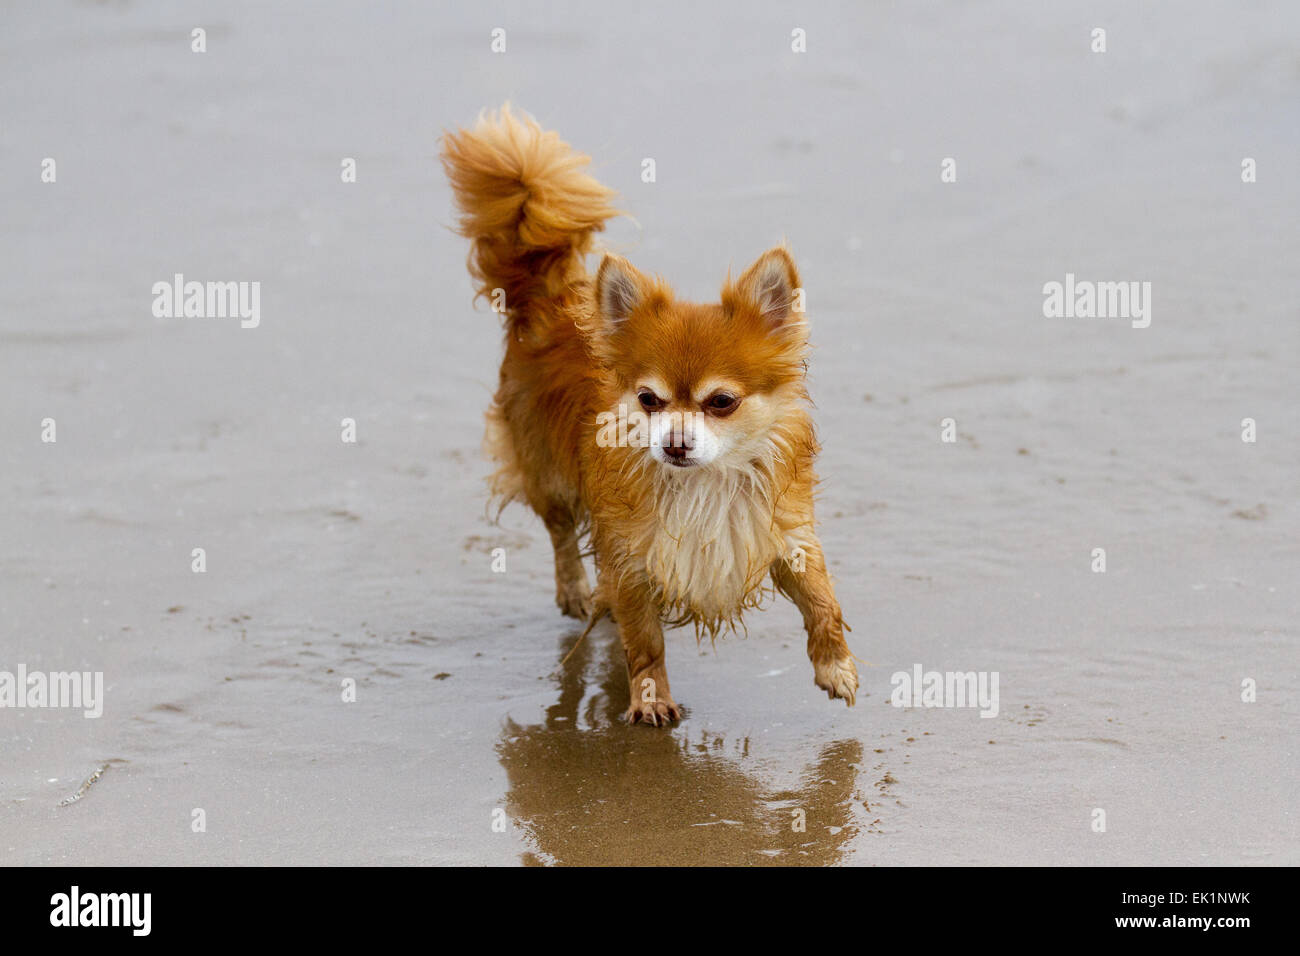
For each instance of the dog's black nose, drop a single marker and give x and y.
(677, 446)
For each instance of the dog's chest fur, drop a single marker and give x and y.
(711, 543)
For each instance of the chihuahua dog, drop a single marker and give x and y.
(676, 436)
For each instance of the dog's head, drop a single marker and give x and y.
(712, 383)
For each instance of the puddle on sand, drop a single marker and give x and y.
(590, 790)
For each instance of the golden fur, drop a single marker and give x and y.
(690, 528)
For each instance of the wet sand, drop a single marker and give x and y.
(372, 562)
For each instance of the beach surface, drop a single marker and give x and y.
(1161, 692)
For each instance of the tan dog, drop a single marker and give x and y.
(677, 434)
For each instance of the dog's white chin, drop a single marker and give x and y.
(693, 462)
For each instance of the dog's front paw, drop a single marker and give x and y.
(651, 701)
(838, 677)
(657, 713)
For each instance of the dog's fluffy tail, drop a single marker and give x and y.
(526, 205)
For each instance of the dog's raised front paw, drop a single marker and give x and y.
(838, 677)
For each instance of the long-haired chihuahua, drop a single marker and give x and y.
(676, 435)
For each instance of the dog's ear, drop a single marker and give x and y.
(619, 290)
(771, 285)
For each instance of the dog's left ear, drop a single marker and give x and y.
(772, 286)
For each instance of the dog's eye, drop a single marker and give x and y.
(649, 401)
(721, 404)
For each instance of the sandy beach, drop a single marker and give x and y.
(371, 561)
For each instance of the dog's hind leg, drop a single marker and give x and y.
(572, 592)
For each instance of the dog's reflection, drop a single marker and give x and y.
(590, 790)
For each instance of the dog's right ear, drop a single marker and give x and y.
(619, 290)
